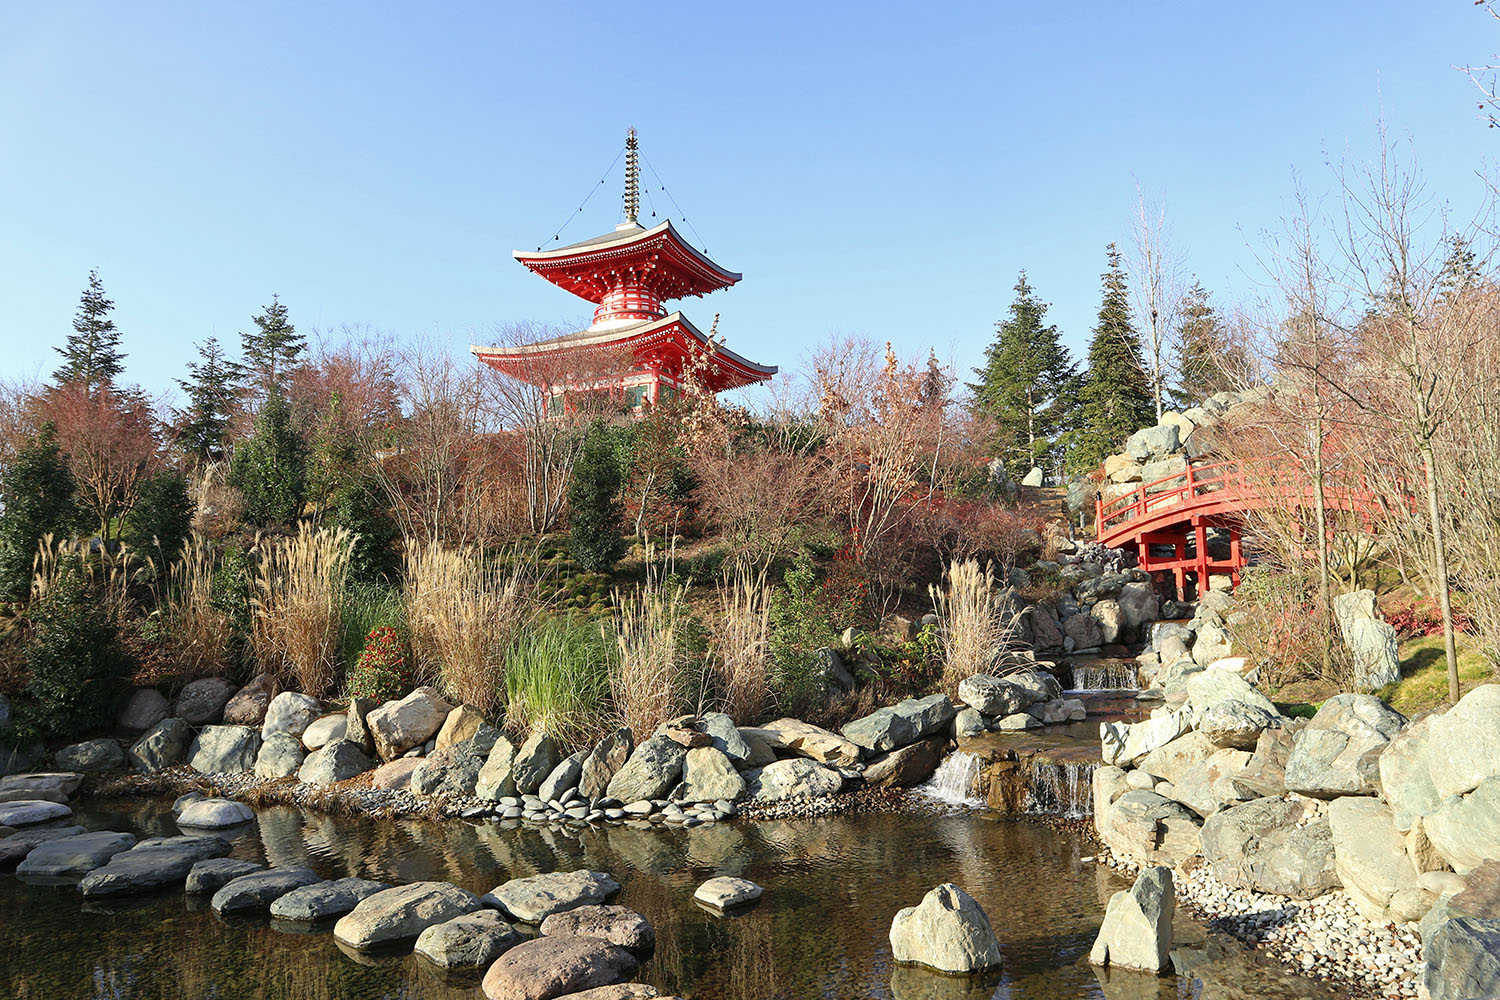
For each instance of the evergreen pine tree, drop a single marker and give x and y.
(162, 517)
(1026, 373)
(204, 424)
(92, 354)
(36, 498)
(270, 468)
(596, 517)
(271, 350)
(1202, 350)
(1115, 395)
(1461, 268)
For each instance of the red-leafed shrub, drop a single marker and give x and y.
(384, 671)
(1423, 618)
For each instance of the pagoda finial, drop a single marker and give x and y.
(632, 178)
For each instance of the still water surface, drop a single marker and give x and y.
(820, 933)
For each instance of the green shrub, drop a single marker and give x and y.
(231, 598)
(557, 680)
(596, 517)
(36, 499)
(799, 627)
(367, 606)
(75, 663)
(384, 670)
(270, 469)
(162, 517)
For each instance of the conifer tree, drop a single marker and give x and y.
(1461, 268)
(1115, 395)
(271, 350)
(1026, 373)
(1202, 349)
(596, 517)
(270, 468)
(211, 391)
(92, 354)
(37, 497)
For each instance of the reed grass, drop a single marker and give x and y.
(648, 681)
(557, 680)
(199, 633)
(462, 611)
(111, 574)
(742, 636)
(975, 626)
(296, 628)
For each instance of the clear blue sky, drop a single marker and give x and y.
(878, 168)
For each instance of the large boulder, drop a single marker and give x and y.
(1139, 603)
(460, 726)
(1083, 631)
(1137, 928)
(1148, 828)
(1125, 743)
(1210, 643)
(395, 775)
(563, 778)
(1463, 960)
(1272, 845)
(255, 892)
(290, 713)
(1442, 755)
(151, 864)
(1369, 854)
(1169, 761)
(1370, 640)
(1338, 753)
(325, 900)
(727, 893)
(496, 778)
(1214, 686)
(535, 759)
(1235, 724)
(725, 737)
(451, 771)
(471, 941)
(791, 779)
(619, 925)
(397, 726)
(906, 767)
(901, 724)
(338, 761)
(707, 776)
(224, 750)
(536, 897)
(214, 814)
(247, 706)
(1208, 786)
(651, 772)
(1265, 775)
(1111, 619)
(557, 966)
(27, 812)
(280, 756)
(212, 874)
(600, 766)
(324, 730)
(164, 745)
(401, 914)
(67, 857)
(946, 931)
(993, 695)
(806, 740)
(1465, 829)
(205, 700)
(143, 709)
(356, 722)
(1155, 442)
(91, 756)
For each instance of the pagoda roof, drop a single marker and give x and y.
(659, 255)
(646, 339)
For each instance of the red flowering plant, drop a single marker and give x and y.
(384, 671)
(1423, 618)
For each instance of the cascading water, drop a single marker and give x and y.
(1110, 676)
(1061, 789)
(954, 780)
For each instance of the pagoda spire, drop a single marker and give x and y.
(632, 178)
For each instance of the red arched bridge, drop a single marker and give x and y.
(1166, 522)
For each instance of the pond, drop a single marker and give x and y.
(832, 887)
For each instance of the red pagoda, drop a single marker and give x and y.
(634, 351)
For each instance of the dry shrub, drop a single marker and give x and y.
(220, 507)
(742, 638)
(463, 610)
(1278, 630)
(297, 626)
(648, 682)
(975, 623)
(109, 574)
(197, 632)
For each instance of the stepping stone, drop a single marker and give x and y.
(214, 814)
(258, 890)
(215, 873)
(14, 848)
(616, 924)
(548, 967)
(726, 892)
(535, 898)
(63, 782)
(151, 864)
(69, 856)
(25, 812)
(471, 941)
(402, 913)
(325, 900)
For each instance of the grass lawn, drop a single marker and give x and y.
(1424, 674)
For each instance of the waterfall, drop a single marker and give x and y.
(954, 780)
(1061, 789)
(1108, 676)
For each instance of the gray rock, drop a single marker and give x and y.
(1083, 631)
(402, 913)
(462, 725)
(338, 761)
(947, 931)
(290, 712)
(790, 779)
(496, 778)
(1465, 830)
(1235, 724)
(1213, 686)
(143, 709)
(1148, 828)
(1020, 720)
(603, 762)
(994, 696)
(70, 856)
(356, 729)
(215, 814)
(557, 966)
(16, 846)
(1371, 641)
(323, 731)
(619, 925)
(901, 724)
(471, 941)
(909, 766)
(203, 701)
(1169, 761)
(1338, 753)
(151, 864)
(1442, 755)
(805, 740)
(968, 722)
(1126, 743)
(91, 756)
(829, 673)
(164, 745)
(1264, 845)
(1463, 960)
(1111, 619)
(726, 892)
(224, 750)
(1211, 643)
(325, 900)
(451, 771)
(535, 898)
(1034, 477)
(280, 756)
(256, 891)
(213, 874)
(1137, 929)
(726, 738)
(25, 812)
(652, 771)
(1369, 855)
(398, 726)
(534, 761)
(707, 776)
(1139, 604)
(1153, 442)
(563, 778)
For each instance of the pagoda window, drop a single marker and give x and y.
(635, 396)
(665, 391)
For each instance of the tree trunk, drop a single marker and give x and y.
(1440, 569)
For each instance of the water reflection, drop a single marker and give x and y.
(832, 887)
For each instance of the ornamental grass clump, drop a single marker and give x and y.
(384, 670)
(649, 681)
(975, 626)
(462, 610)
(740, 662)
(297, 605)
(557, 680)
(198, 631)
